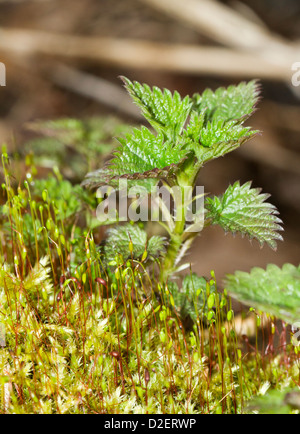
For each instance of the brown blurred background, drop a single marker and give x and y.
(63, 59)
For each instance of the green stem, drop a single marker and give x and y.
(173, 250)
(186, 178)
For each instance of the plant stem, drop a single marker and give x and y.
(173, 249)
(186, 178)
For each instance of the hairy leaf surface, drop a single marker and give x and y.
(166, 112)
(146, 153)
(217, 120)
(141, 156)
(202, 128)
(191, 299)
(275, 290)
(244, 209)
(119, 238)
(227, 104)
(276, 402)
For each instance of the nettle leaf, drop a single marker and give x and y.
(276, 402)
(166, 112)
(217, 139)
(141, 156)
(119, 238)
(98, 178)
(191, 299)
(195, 126)
(217, 132)
(107, 176)
(216, 123)
(215, 128)
(227, 104)
(244, 209)
(143, 152)
(275, 291)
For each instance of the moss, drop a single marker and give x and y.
(80, 338)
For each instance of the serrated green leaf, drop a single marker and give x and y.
(141, 156)
(227, 104)
(215, 128)
(218, 132)
(143, 152)
(120, 237)
(276, 402)
(275, 291)
(219, 127)
(216, 140)
(195, 126)
(107, 176)
(190, 300)
(166, 112)
(243, 209)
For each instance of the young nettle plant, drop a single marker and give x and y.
(188, 133)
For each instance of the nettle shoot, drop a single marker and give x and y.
(186, 134)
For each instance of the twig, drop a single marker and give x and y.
(135, 54)
(95, 88)
(218, 22)
(23, 1)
